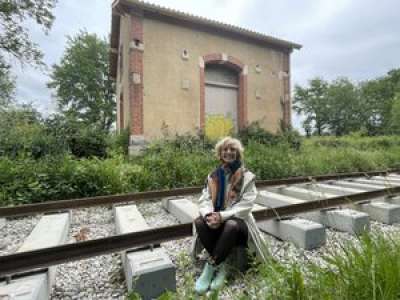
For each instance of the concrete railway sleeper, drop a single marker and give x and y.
(298, 214)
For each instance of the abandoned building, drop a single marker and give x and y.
(181, 73)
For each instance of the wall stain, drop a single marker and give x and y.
(218, 126)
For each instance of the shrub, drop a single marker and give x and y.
(369, 269)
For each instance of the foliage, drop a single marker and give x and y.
(83, 86)
(118, 142)
(345, 108)
(62, 177)
(183, 162)
(7, 88)
(312, 102)
(24, 133)
(255, 133)
(14, 39)
(341, 107)
(394, 121)
(80, 141)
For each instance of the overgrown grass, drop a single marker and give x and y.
(185, 161)
(368, 269)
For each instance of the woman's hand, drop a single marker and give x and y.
(214, 220)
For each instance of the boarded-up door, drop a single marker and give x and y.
(221, 98)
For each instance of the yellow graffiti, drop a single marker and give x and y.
(218, 126)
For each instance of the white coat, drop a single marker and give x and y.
(240, 209)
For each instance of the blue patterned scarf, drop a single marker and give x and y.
(220, 172)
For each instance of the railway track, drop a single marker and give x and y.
(279, 201)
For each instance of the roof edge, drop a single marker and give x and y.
(198, 20)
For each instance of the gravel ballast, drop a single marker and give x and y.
(102, 277)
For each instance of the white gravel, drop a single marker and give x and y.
(102, 277)
(14, 232)
(99, 277)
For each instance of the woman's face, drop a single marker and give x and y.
(228, 154)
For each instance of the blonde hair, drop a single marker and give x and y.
(229, 141)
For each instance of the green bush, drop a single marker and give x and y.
(23, 133)
(118, 143)
(78, 139)
(172, 164)
(255, 133)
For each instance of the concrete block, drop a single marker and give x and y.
(355, 185)
(270, 199)
(257, 207)
(302, 233)
(2, 222)
(129, 219)
(386, 179)
(33, 287)
(332, 189)
(301, 193)
(380, 211)
(393, 199)
(384, 212)
(347, 220)
(382, 183)
(340, 219)
(150, 273)
(183, 209)
(50, 231)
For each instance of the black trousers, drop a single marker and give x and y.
(220, 241)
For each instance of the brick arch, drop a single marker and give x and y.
(235, 64)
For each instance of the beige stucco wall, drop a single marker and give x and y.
(164, 100)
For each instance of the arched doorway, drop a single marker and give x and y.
(221, 99)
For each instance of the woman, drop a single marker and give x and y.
(225, 219)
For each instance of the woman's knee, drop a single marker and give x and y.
(199, 223)
(231, 226)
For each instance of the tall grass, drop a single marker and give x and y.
(369, 269)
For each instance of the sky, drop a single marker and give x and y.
(358, 39)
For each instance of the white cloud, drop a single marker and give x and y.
(226, 11)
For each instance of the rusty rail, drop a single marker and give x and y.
(60, 205)
(43, 258)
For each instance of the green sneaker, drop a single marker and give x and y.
(219, 280)
(203, 282)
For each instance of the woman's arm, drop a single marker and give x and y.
(244, 206)
(205, 202)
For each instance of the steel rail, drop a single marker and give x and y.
(46, 257)
(60, 205)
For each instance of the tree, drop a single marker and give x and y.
(7, 88)
(345, 107)
(312, 103)
(394, 123)
(83, 87)
(378, 96)
(14, 39)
